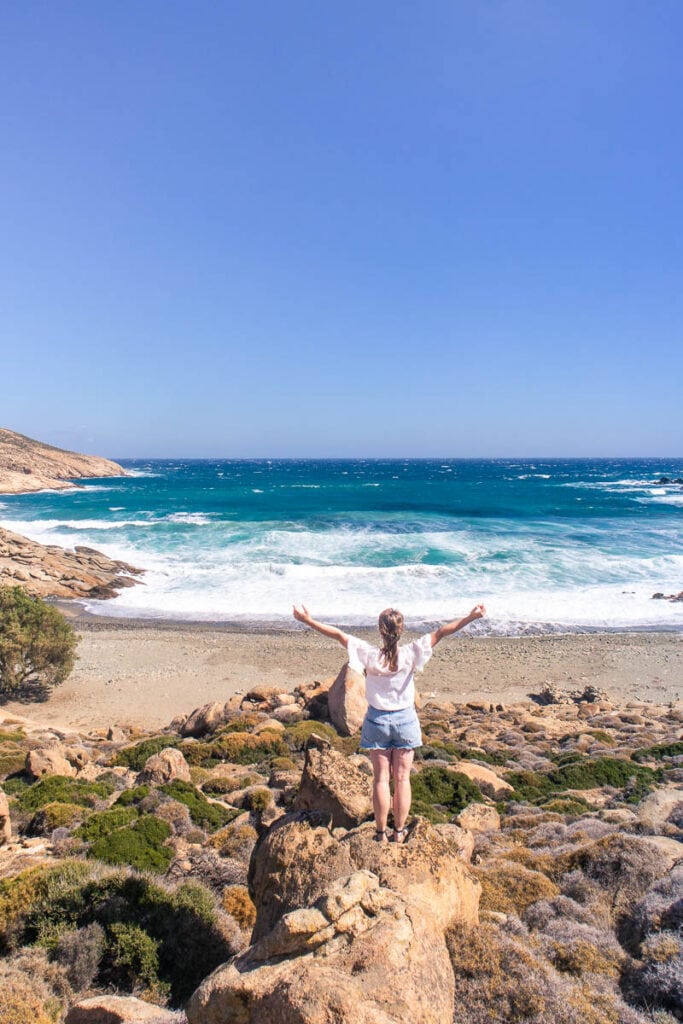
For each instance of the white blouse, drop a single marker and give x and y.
(386, 690)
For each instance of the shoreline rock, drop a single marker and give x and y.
(47, 570)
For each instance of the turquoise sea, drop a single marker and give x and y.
(547, 544)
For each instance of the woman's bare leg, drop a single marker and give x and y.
(401, 761)
(381, 794)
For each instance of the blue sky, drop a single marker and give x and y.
(289, 229)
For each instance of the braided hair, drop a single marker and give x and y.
(390, 629)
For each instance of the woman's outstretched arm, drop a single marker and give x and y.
(452, 627)
(302, 615)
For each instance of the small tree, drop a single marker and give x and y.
(37, 644)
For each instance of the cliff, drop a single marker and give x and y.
(28, 465)
(50, 571)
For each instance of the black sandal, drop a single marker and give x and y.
(399, 832)
(380, 835)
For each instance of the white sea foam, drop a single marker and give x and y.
(191, 518)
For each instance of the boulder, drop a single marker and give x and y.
(479, 818)
(48, 760)
(488, 782)
(346, 703)
(166, 766)
(205, 719)
(330, 784)
(348, 930)
(5, 824)
(377, 963)
(116, 1010)
(116, 734)
(300, 856)
(655, 810)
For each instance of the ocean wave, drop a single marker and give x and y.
(35, 528)
(191, 518)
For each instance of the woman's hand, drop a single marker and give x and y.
(478, 612)
(301, 614)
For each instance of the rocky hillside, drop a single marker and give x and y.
(226, 868)
(28, 465)
(51, 571)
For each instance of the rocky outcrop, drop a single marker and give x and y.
(117, 1010)
(347, 930)
(333, 786)
(479, 818)
(48, 760)
(27, 465)
(488, 782)
(300, 857)
(346, 703)
(46, 570)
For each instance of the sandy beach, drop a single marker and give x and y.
(145, 673)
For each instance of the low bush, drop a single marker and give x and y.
(244, 748)
(102, 823)
(537, 787)
(237, 902)
(510, 888)
(135, 757)
(55, 815)
(140, 845)
(658, 752)
(133, 960)
(20, 1004)
(133, 796)
(235, 841)
(63, 790)
(297, 735)
(80, 952)
(203, 813)
(624, 867)
(12, 762)
(439, 793)
(184, 925)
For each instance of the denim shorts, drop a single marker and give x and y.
(383, 730)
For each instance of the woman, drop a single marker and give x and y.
(391, 729)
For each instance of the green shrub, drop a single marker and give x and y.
(134, 959)
(101, 823)
(12, 735)
(133, 796)
(658, 751)
(12, 762)
(56, 815)
(297, 735)
(141, 845)
(602, 737)
(535, 787)
(63, 790)
(135, 757)
(439, 793)
(16, 785)
(203, 813)
(37, 644)
(244, 748)
(182, 926)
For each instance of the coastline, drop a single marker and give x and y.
(143, 673)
